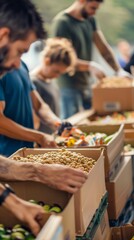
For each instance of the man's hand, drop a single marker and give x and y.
(26, 212)
(60, 177)
(62, 126)
(46, 141)
(96, 70)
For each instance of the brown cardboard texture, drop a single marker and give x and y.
(112, 99)
(88, 198)
(129, 135)
(119, 189)
(40, 192)
(113, 149)
(89, 117)
(122, 233)
(103, 231)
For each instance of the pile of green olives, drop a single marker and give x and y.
(54, 208)
(18, 232)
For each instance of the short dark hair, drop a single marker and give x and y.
(21, 17)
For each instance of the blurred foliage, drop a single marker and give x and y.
(115, 17)
(128, 27)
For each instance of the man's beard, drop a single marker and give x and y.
(84, 14)
(4, 51)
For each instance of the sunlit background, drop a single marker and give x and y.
(115, 19)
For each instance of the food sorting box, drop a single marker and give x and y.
(86, 200)
(119, 189)
(113, 149)
(33, 190)
(112, 99)
(88, 117)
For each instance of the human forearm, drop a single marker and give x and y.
(13, 130)
(105, 50)
(82, 65)
(26, 212)
(47, 116)
(12, 170)
(43, 110)
(110, 59)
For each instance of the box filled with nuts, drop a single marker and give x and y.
(88, 198)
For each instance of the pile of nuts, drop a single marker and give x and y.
(60, 156)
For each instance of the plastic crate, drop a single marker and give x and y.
(91, 229)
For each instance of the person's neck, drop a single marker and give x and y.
(39, 73)
(75, 11)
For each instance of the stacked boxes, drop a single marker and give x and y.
(86, 200)
(99, 226)
(126, 216)
(120, 189)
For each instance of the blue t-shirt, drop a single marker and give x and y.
(15, 88)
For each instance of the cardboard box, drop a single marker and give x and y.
(122, 233)
(113, 149)
(129, 136)
(103, 232)
(112, 99)
(80, 116)
(40, 192)
(119, 189)
(85, 205)
(89, 117)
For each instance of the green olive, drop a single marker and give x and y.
(46, 207)
(5, 237)
(17, 236)
(55, 209)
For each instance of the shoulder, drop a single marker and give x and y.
(93, 22)
(61, 20)
(23, 66)
(61, 25)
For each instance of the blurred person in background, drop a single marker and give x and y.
(124, 52)
(78, 24)
(58, 57)
(129, 67)
(20, 25)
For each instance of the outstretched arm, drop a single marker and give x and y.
(105, 50)
(43, 111)
(26, 212)
(54, 175)
(14, 130)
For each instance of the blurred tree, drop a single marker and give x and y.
(128, 27)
